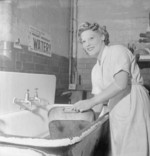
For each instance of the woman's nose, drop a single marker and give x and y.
(88, 43)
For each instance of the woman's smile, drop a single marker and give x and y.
(90, 48)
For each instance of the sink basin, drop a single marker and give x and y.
(10, 151)
(26, 123)
(36, 139)
(65, 123)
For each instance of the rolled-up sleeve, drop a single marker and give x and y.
(121, 60)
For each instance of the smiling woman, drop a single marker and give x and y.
(118, 89)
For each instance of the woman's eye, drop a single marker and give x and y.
(91, 38)
(83, 42)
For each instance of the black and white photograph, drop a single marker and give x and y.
(74, 77)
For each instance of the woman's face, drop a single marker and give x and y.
(92, 42)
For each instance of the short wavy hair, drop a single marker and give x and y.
(94, 27)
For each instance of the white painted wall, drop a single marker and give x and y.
(16, 84)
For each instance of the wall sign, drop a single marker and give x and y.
(39, 42)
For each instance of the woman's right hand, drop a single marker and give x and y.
(82, 105)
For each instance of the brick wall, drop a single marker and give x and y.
(85, 66)
(145, 72)
(22, 60)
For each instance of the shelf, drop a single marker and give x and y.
(144, 61)
(144, 58)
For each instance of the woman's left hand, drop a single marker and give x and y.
(82, 105)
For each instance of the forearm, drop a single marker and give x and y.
(120, 83)
(111, 91)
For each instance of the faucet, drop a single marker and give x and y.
(27, 96)
(28, 101)
(36, 96)
(24, 103)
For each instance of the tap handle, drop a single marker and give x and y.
(27, 96)
(36, 93)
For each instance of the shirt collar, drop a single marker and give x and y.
(102, 56)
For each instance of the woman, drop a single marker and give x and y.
(116, 79)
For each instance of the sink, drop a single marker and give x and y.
(40, 139)
(26, 123)
(10, 151)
